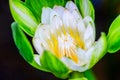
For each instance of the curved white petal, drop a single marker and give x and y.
(68, 20)
(81, 56)
(72, 65)
(43, 31)
(56, 24)
(59, 10)
(41, 35)
(89, 37)
(52, 15)
(45, 17)
(37, 44)
(88, 20)
(71, 6)
(55, 19)
(81, 28)
(76, 15)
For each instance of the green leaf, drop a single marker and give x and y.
(22, 43)
(86, 8)
(53, 64)
(23, 16)
(114, 36)
(24, 46)
(37, 5)
(99, 50)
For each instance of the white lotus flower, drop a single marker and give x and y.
(69, 36)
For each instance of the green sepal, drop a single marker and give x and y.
(54, 65)
(23, 16)
(114, 36)
(24, 46)
(22, 43)
(37, 5)
(38, 66)
(86, 8)
(98, 51)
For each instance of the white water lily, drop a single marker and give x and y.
(69, 36)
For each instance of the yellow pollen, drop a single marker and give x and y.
(67, 47)
(64, 43)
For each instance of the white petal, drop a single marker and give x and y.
(89, 36)
(88, 20)
(59, 10)
(89, 53)
(46, 15)
(56, 24)
(81, 28)
(72, 65)
(71, 6)
(68, 20)
(37, 44)
(41, 35)
(81, 56)
(37, 59)
(73, 10)
(53, 16)
(76, 15)
(42, 31)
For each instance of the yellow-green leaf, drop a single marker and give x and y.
(114, 36)
(23, 16)
(22, 43)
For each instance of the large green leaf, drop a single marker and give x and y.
(37, 5)
(114, 36)
(22, 43)
(23, 16)
(86, 8)
(53, 64)
(24, 46)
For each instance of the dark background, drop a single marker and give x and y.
(13, 66)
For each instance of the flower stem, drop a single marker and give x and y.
(77, 76)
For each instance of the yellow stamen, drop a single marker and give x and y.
(64, 43)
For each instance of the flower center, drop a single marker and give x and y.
(67, 47)
(63, 42)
